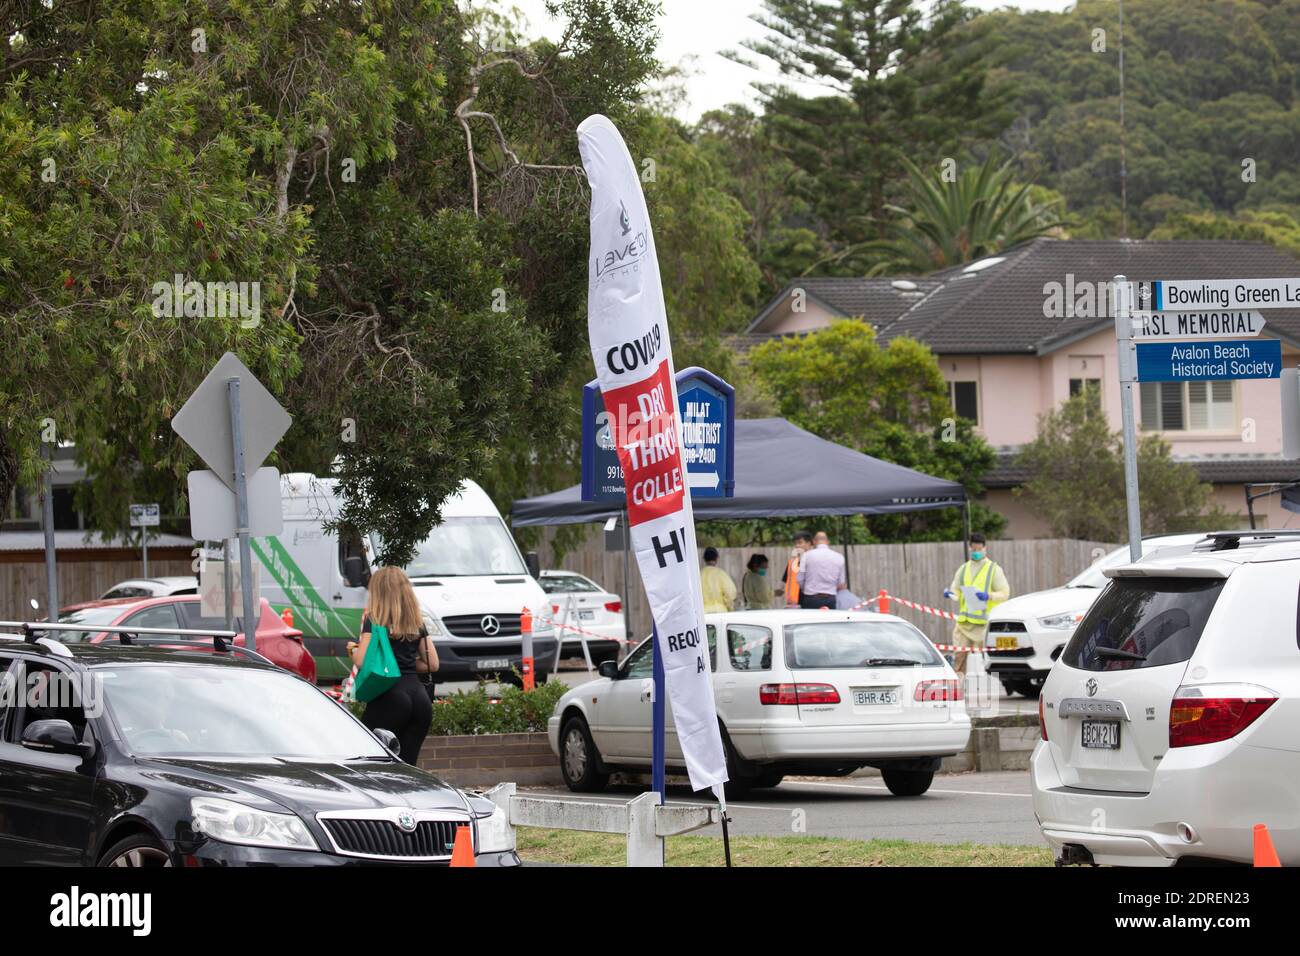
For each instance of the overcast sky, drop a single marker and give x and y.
(695, 32)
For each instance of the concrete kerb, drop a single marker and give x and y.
(642, 819)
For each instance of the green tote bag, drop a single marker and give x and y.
(378, 670)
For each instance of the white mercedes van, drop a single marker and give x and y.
(472, 582)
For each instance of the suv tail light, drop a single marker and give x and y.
(1213, 712)
(613, 607)
(798, 694)
(1042, 718)
(938, 690)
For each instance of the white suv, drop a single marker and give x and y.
(1169, 723)
(1027, 633)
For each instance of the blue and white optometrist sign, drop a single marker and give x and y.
(707, 414)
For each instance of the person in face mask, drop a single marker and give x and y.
(978, 586)
(754, 586)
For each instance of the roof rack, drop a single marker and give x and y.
(1228, 540)
(126, 635)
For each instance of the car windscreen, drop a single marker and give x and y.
(197, 710)
(857, 644)
(88, 616)
(466, 546)
(1143, 622)
(566, 584)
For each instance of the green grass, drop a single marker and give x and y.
(605, 849)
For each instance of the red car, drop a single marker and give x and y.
(276, 641)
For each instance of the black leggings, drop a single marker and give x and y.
(405, 710)
(814, 601)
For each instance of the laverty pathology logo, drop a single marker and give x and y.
(627, 254)
(213, 300)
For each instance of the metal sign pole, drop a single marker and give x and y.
(1127, 353)
(144, 544)
(657, 703)
(47, 524)
(241, 516)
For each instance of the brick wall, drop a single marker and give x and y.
(484, 760)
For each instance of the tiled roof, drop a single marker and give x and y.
(877, 301)
(1225, 470)
(999, 305)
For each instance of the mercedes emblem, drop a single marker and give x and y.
(490, 625)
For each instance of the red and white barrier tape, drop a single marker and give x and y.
(578, 630)
(937, 612)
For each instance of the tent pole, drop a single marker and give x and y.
(844, 532)
(965, 544)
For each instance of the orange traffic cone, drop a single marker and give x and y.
(462, 851)
(1265, 853)
(287, 616)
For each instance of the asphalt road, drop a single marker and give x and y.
(986, 808)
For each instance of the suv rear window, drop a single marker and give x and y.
(1146, 621)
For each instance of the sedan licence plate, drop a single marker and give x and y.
(1101, 734)
(871, 698)
(586, 615)
(492, 663)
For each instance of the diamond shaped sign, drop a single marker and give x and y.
(204, 420)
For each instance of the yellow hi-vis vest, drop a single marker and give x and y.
(964, 614)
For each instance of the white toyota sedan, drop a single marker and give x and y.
(798, 692)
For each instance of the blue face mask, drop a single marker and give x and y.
(762, 572)
(977, 555)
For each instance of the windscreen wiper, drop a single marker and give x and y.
(1117, 654)
(890, 662)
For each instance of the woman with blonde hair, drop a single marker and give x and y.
(404, 708)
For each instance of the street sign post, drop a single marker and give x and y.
(1198, 325)
(145, 517)
(1208, 361)
(707, 412)
(233, 423)
(1195, 330)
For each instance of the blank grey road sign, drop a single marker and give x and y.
(212, 505)
(204, 420)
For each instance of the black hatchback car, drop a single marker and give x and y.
(118, 755)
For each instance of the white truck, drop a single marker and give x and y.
(472, 582)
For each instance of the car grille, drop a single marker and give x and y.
(1007, 627)
(471, 625)
(384, 839)
(1010, 652)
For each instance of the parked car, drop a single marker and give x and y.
(278, 642)
(189, 757)
(1027, 633)
(816, 692)
(1169, 722)
(152, 587)
(580, 601)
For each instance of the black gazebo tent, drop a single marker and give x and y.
(781, 471)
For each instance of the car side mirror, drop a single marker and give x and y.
(389, 740)
(534, 564)
(354, 571)
(56, 737)
(608, 669)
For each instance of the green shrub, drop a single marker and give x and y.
(476, 712)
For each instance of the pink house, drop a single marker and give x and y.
(1017, 333)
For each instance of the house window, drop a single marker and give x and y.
(1188, 406)
(1077, 385)
(965, 400)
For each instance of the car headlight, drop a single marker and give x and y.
(433, 625)
(494, 833)
(232, 822)
(543, 625)
(1059, 622)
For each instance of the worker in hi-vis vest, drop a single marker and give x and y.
(978, 586)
